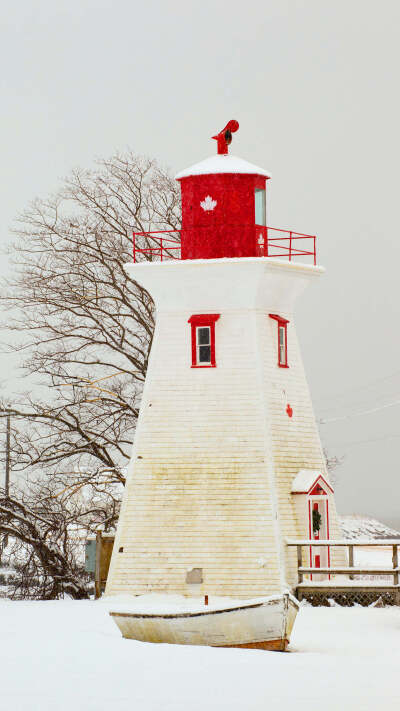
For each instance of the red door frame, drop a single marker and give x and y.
(315, 502)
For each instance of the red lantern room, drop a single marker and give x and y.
(223, 214)
(223, 205)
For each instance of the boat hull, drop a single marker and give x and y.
(253, 625)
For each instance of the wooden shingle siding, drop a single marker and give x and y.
(215, 454)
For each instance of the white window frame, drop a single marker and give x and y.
(198, 345)
(282, 344)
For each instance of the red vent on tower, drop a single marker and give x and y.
(224, 137)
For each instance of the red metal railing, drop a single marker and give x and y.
(287, 246)
(291, 245)
(163, 247)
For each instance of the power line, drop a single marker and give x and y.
(362, 412)
(368, 386)
(355, 443)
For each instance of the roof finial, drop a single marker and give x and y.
(224, 137)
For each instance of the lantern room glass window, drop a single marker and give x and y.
(259, 204)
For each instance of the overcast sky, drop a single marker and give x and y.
(315, 87)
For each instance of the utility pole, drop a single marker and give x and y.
(7, 481)
(7, 412)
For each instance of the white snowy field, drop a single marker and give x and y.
(68, 656)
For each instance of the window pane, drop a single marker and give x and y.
(203, 336)
(259, 202)
(204, 354)
(282, 346)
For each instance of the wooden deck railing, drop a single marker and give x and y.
(351, 570)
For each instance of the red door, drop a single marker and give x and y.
(317, 556)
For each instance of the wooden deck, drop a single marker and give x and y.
(347, 585)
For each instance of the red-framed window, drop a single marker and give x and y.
(203, 340)
(282, 340)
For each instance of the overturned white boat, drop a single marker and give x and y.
(262, 623)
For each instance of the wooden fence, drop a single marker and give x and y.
(357, 590)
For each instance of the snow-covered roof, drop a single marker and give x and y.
(305, 481)
(222, 164)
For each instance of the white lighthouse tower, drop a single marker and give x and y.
(227, 461)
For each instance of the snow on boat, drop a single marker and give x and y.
(263, 623)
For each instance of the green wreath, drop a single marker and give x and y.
(316, 520)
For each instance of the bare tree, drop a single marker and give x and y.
(42, 531)
(332, 463)
(84, 326)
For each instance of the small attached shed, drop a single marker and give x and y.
(313, 495)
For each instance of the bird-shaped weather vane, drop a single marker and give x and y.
(224, 137)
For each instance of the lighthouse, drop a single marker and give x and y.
(227, 461)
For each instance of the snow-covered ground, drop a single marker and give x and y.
(69, 656)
